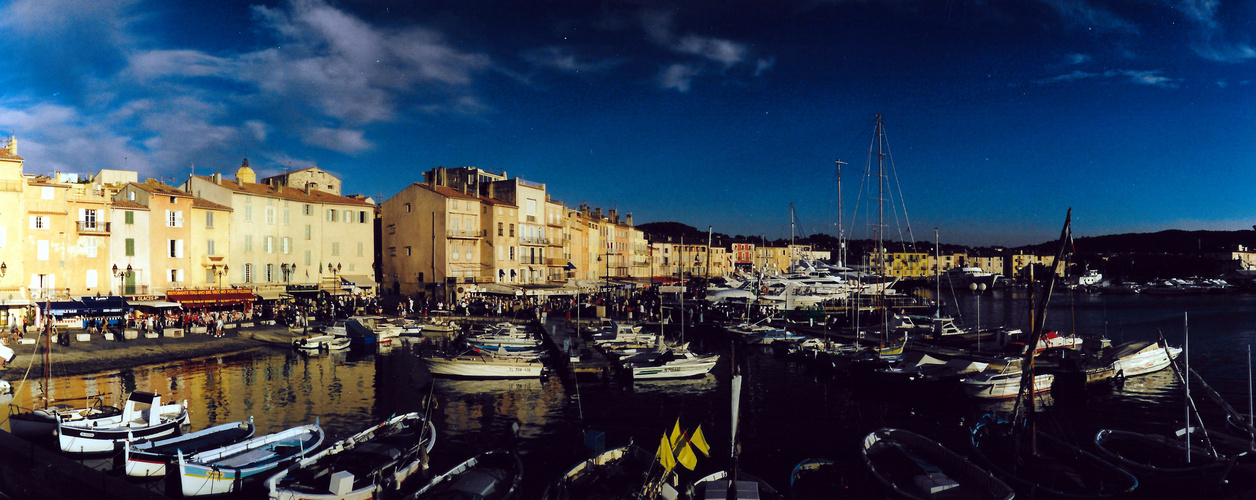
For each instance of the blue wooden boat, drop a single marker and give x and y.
(149, 458)
(235, 467)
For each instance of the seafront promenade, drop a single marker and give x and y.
(98, 354)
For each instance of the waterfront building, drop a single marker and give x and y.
(743, 255)
(772, 260)
(498, 252)
(559, 240)
(908, 264)
(282, 235)
(128, 247)
(65, 244)
(168, 240)
(314, 178)
(1016, 264)
(210, 247)
(431, 236)
(13, 218)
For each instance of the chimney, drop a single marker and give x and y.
(278, 188)
(216, 178)
(613, 215)
(628, 219)
(307, 187)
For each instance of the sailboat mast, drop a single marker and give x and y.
(881, 227)
(1186, 351)
(937, 274)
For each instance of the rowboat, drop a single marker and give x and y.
(149, 458)
(236, 467)
(492, 475)
(913, 466)
(369, 464)
(484, 366)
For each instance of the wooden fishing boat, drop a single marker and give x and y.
(613, 474)
(492, 475)
(1056, 470)
(143, 417)
(369, 464)
(1163, 460)
(815, 479)
(322, 343)
(913, 466)
(40, 424)
(484, 366)
(237, 467)
(149, 458)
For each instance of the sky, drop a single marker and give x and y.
(998, 115)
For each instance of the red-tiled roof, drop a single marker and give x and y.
(447, 192)
(289, 193)
(157, 187)
(208, 205)
(129, 205)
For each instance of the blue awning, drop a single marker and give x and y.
(87, 306)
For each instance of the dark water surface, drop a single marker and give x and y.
(790, 411)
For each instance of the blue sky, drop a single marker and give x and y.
(1000, 115)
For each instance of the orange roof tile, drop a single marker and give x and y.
(289, 193)
(208, 205)
(129, 205)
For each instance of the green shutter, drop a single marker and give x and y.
(130, 217)
(130, 246)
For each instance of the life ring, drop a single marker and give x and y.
(323, 346)
(763, 289)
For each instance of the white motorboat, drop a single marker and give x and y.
(1002, 384)
(484, 366)
(321, 343)
(143, 417)
(678, 362)
(1141, 357)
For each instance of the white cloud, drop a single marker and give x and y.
(343, 140)
(564, 59)
(1141, 77)
(1076, 59)
(762, 65)
(725, 52)
(677, 76)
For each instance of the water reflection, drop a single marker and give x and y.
(681, 387)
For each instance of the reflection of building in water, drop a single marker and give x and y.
(273, 389)
(475, 405)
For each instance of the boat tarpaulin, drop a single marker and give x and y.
(211, 298)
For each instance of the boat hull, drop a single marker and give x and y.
(239, 466)
(678, 370)
(484, 367)
(151, 458)
(913, 466)
(93, 436)
(1003, 387)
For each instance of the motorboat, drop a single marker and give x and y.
(1139, 357)
(321, 343)
(1002, 383)
(40, 424)
(484, 366)
(614, 473)
(677, 362)
(150, 458)
(370, 464)
(236, 467)
(143, 417)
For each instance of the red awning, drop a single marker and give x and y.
(211, 298)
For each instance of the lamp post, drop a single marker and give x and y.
(978, 288)
(335, 270)
(121, 274)
(219, 274)
(4, 269)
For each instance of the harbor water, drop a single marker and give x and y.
(790, 410)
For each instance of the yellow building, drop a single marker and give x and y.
(211, 243)
(431, 239)
(13, 218)
(169, 265)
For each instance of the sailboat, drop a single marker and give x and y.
(1036, 463)
(733, 484)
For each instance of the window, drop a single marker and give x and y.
(130, 247)
(270, 215)
(512, 230)
(270, 273)
(40, 221)
(457, 250)
(408, 252)
(209, 276)
(348, 216)
(248, 273)
(308, 209)
(307, 257)
(407, 207)
(176, 275)
(331, 215)
(268, 245)
(392, 229)
(307, 231)
(209, 220)
(285, 245)
(360, 248)
(176, 248)
(499, 228)
(392, 251)
(174, 218)
(209, 247)
(128, 217)
(130, 195)
(512, 253)
(335, 248)
(286, 219)
(91, 247)
(248, 213)
(248, 243)
(362, 217)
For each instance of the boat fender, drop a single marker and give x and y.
(388, 484)
(323, 346)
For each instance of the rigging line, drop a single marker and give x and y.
(897, 184)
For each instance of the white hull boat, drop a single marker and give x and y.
(143, 417)
(988, 385)
(1141, 357)
(149, 458)
(485, 367)
(232, 468)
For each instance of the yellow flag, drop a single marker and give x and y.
(699, 441)
(674, 439)
(687, 458)
(665, 456)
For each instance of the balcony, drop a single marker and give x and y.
(93, 227)
(531, 219)
(534, 240)
(468, 234)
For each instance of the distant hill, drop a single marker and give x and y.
(659, 231)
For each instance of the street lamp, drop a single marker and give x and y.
(219, 273)
(284, 267)
(978, 288)
(121, 274)
(4, 269)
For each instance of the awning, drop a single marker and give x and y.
(269, 294)
(87, 306)
(496, 288)
(154, 304)
(211, 298)
(15, 302)
(359, 281)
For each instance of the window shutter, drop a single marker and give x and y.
(130, 247)
(178, 248)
